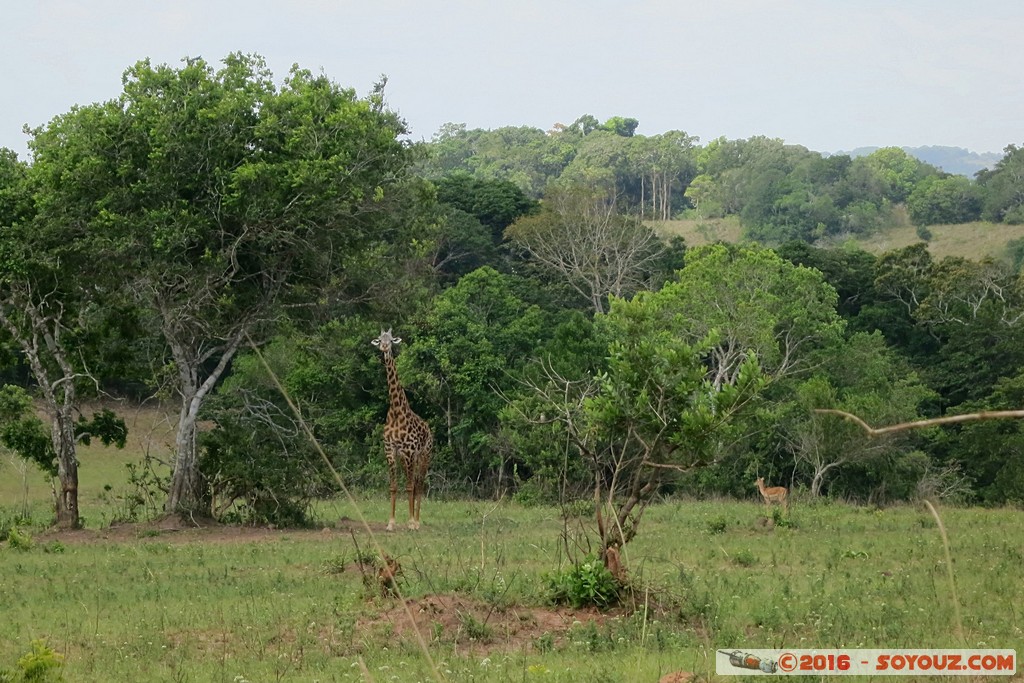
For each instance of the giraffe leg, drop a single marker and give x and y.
(411, 489)
(421, 479)
(393, 477)
(419, 498)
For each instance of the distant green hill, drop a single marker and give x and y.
(969, 240)
(955, 160)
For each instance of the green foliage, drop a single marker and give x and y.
(19, 539)
(950, 199)
(258, 464)
(476, 336)
(850, 271)
(719, 525)
(620, 125)
(749, 300)
(104, 425)
(41, 664)
(584, 584)
(744, 558)
(22, 431)
(991, 453)
(1015, 250)
(495, 203)
(229, 204)
(1003, 188)
(897, 171)
(860, 375)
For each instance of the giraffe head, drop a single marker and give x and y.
(385, 340)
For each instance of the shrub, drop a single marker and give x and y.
(39, 665)
(586, 584)
(19, 539)
(719, 525)
(745, 558)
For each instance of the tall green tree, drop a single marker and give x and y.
(54, 282)
(475, 339)
(1003, 188)
(863, 376)
(747, 300)
(648, 415)
(952, 199)
(228, 202)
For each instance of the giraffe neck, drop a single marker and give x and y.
(396, 394)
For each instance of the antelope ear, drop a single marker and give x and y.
(396, 340)
(375, 342)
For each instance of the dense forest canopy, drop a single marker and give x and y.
(553, 337)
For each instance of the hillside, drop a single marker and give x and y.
(969, 240)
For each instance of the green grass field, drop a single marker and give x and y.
(969, 240)
(150, 603)
(161, 602)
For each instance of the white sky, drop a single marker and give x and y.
(828, 74)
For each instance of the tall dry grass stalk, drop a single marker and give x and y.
(949, 569)
(420, 640)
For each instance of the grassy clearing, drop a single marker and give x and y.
(148, 603)
(234, 605)
(969, 240)
(697, 232)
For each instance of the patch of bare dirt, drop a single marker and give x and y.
(474, 627)
(347, 524)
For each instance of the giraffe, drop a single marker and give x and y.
(406, 436)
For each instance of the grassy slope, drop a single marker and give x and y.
(969, 240)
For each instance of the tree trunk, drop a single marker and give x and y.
(44, 332)
(184, 495)
(62, 432)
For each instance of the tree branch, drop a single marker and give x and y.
(917, 424)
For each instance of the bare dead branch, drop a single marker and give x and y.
(918, 424)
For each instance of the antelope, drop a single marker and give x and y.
(774, 494)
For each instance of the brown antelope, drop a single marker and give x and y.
(774, 494)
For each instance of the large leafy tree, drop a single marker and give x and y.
(747, 300)
(1003, 188)
(226, 201)
(860, 375)
(53, 286)
(950, 199)
(475, 339)
(649, 414)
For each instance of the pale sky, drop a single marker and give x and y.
(827, 74)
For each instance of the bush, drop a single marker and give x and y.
(19, 539)
(38, 666)
(586, 584)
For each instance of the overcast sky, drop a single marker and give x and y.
(827, 74)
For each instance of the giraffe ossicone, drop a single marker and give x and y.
(407, 437)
